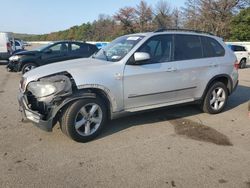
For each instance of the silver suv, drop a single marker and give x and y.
(133, 73)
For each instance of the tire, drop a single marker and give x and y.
(27, 67)
(243, 64)
(84, 119)
(215, 99)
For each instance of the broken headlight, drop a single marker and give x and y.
(41, 89)
(55, 85)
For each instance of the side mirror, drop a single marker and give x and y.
(141, 56)
(47, 51)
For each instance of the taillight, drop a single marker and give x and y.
(236, 65)
(8, 45)
(9, 48)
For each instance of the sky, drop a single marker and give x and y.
(45, 16)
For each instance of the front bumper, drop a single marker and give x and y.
(235, 86)
(14, 66)
(34, 117)
(46, 123)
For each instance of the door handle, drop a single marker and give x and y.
(171, 69)
(213, 65)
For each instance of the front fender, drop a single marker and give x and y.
(68, 100)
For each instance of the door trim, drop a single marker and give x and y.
(135, 96)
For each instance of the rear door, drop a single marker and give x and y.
(188, 54)
(199, 60)
(79, 50)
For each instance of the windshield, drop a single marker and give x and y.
(118, 48)
(41, 48)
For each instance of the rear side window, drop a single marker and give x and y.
(238, 48)
(212, 48)
(79, 48)
(187, 47)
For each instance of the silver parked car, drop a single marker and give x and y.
(133, 73)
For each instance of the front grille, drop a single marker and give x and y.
(35, 105)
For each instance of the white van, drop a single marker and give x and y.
(5, 45)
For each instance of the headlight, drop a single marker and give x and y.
(55, 85)
(41, 89)
(14, 58)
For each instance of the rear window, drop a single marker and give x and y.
(238, 48)
(187, 47)
(212, 48)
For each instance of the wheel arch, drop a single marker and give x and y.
(243, 58)
(22, 63)
(224, 78)
(101, 93)
(84, 94)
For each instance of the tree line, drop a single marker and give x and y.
(229, 19)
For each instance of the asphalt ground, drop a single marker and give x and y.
(173, 147)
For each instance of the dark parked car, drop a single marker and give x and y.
(54, 52)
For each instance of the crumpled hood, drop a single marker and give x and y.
(71, 66)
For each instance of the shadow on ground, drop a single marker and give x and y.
(2, 62)
(177, 114)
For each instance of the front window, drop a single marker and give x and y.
(118, 49)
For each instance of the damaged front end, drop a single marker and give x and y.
(41, 100)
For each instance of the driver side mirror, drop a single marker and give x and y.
(141, 57)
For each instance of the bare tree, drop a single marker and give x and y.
(162, 14)
(126, 16)
(144, 16)
(176, 17)
(103, 27)
(191, 14)
(211, 15)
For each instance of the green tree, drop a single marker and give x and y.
(241, 26)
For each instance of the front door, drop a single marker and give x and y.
(55, 53)
(152, 82)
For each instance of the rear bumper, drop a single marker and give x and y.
(34, 117)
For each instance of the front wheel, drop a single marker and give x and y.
(84, 119)
(215, 99)
(27, 67)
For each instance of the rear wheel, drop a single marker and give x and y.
(243, 63)
(27, 67)
(215, 99)
(84, 119)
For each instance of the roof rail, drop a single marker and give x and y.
(187, 30)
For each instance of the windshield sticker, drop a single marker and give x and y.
(115, 57)
(133, 38)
